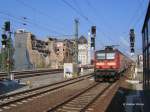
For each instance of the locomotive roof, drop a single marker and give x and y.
(106, 50)
(112, 50)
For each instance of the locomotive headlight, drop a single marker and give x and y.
(111, 64)
(100, 63)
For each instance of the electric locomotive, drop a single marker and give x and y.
(108, 63)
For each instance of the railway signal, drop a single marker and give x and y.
(132, 51)
(93, 32)
(132, 35)
(7, 51)
(92, 42)
(132, 40)
(131, 45)
(7, 26)
(4, 40)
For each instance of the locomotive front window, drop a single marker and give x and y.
(110, 55)
(100, 55)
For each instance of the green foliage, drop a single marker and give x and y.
(4, 66)
(3, 59)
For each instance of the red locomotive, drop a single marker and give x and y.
(108, 63)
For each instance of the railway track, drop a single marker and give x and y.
(25, 74)
(6, 100)
(82, 100)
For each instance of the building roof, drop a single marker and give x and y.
(82, 40)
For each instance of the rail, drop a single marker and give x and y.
(16, 97)
(81, 100)
(24, 74)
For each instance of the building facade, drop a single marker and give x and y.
(64, 52)
(21, 55)
(32, 53)
(146, 50)
(83, 51)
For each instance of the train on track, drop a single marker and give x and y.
(109, 63)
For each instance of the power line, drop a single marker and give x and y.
(135, 20)
(31, 23)
(94, 11)
(142, 13)
(83, 16)
(78, 12)
(88, 20)
(138, 9)
(78, 6)
(62, 35)
(38, 11)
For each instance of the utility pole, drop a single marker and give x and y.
(93, 36)
(3, 52)
(75, 59)
(89, 47)
(71, 69)
(9, 58)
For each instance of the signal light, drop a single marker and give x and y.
(4, 40)
(132, 50)
(132, 35)
(4, 36)
(132, 40)
(7, 26)
(132, 32)
(92, 42)
(131, 44)
(93, 30)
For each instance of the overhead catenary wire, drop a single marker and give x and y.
(94, 11)
(30, 23)
(44, 14)
(135, 20)
(89, 21)
(78, 12)
(83, 16)
(40, 13)
(78, 6)
(137, 10)
(139, 17)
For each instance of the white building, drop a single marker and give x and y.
(83, 51)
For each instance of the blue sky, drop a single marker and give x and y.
(113, 18)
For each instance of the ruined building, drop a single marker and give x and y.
(32, 53)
